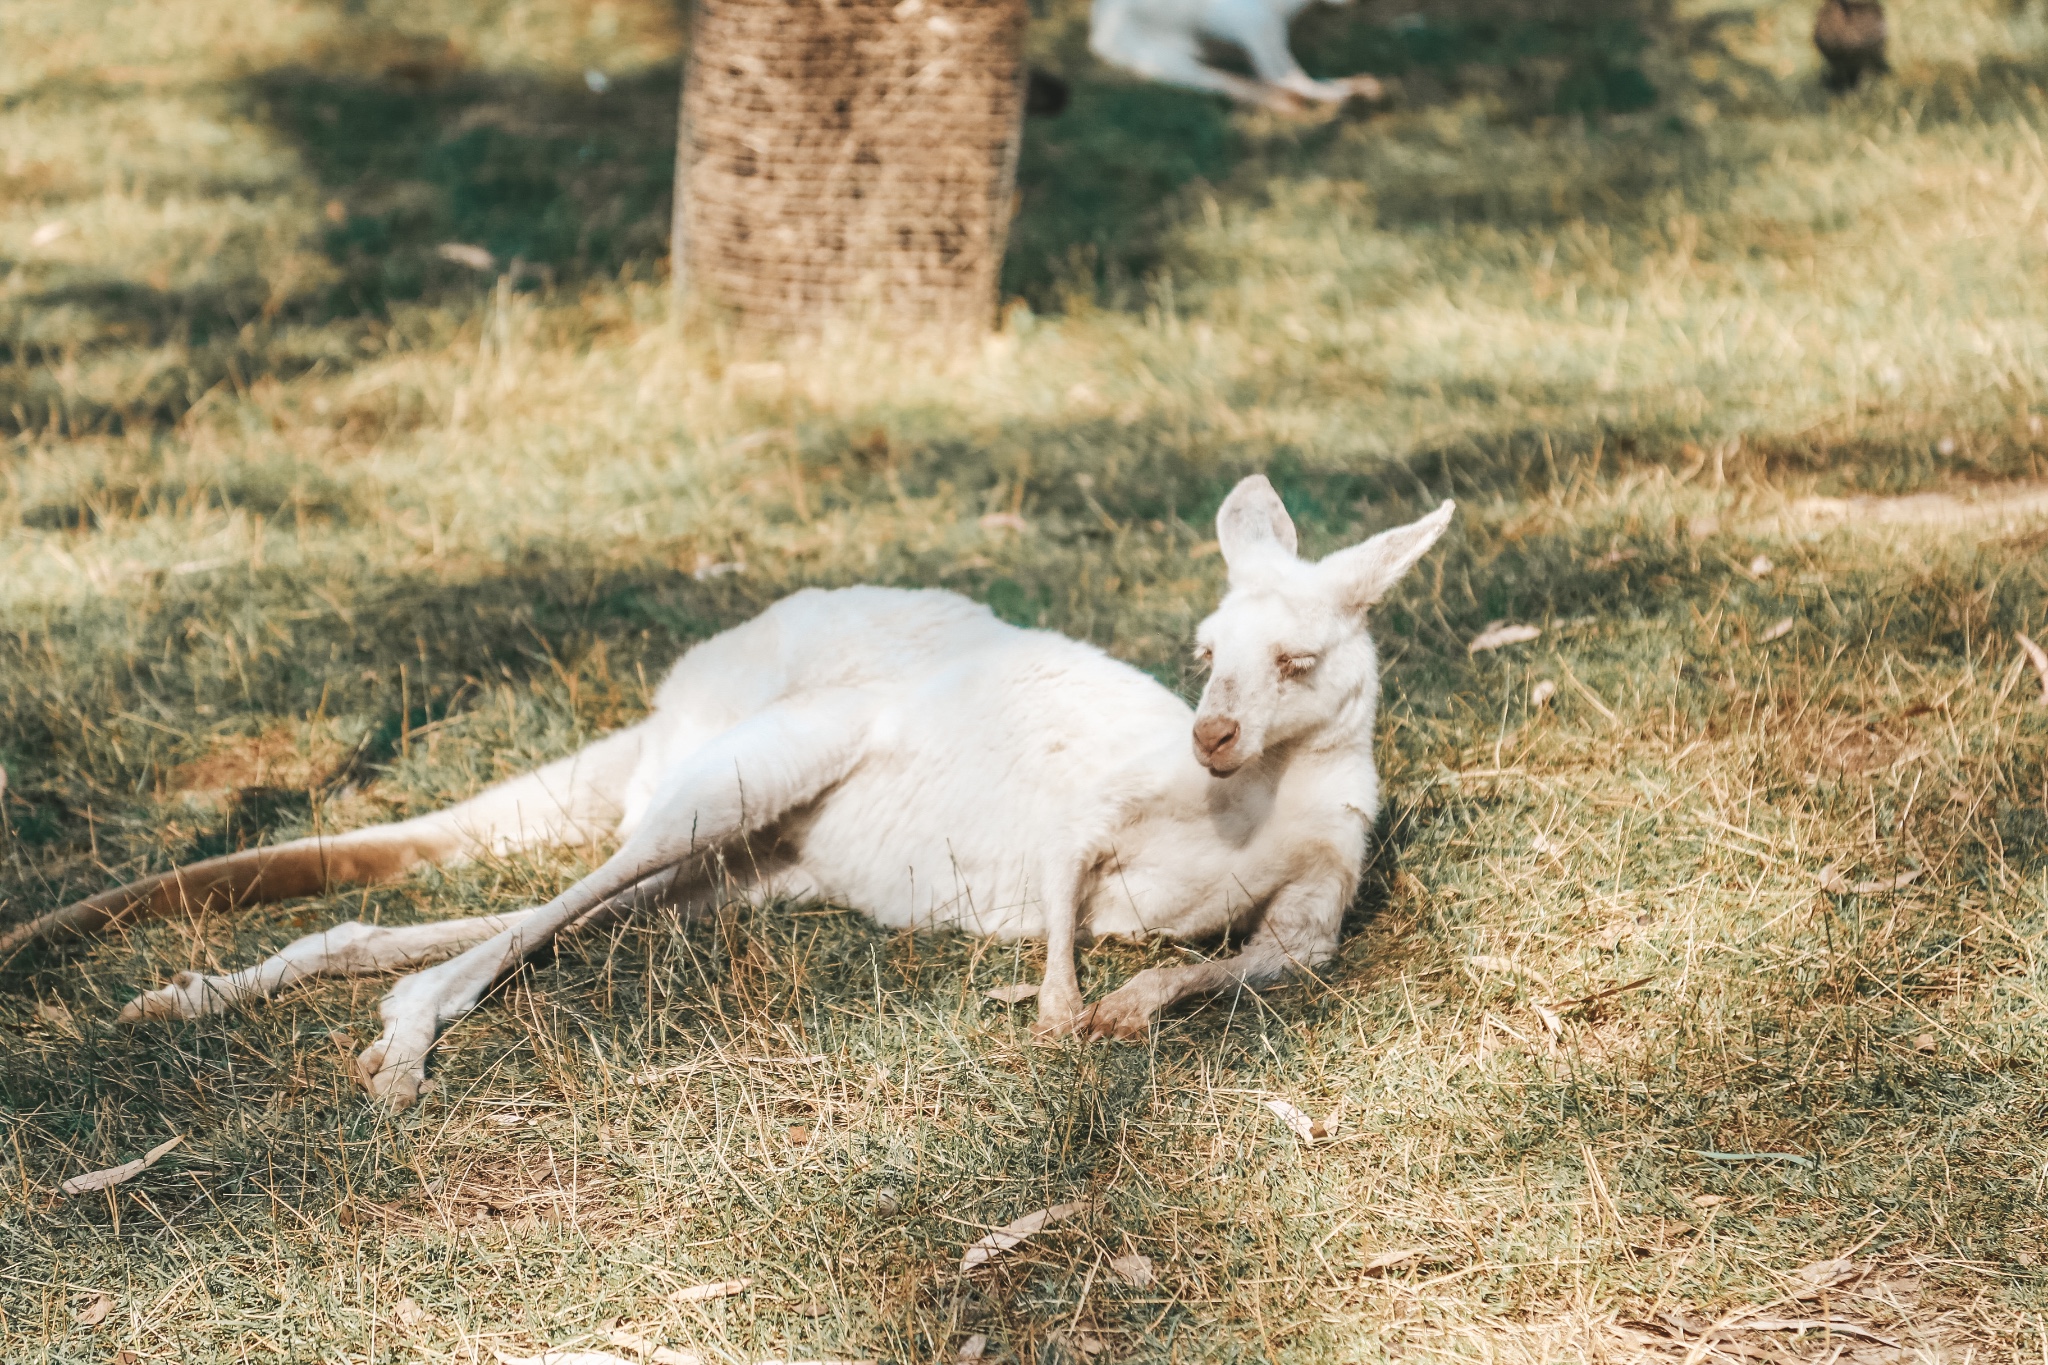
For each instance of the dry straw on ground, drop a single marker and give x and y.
(303, 525)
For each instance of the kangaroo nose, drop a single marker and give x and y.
(1213, 738)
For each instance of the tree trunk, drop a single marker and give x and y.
(848, 160)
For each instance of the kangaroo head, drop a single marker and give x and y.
(1287, 648)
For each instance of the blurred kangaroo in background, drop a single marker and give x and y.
(907, 754)
(1162, 41)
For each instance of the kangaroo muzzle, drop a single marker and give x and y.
(1216, 744)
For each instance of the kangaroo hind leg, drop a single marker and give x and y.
(350, 949)
(741, 782)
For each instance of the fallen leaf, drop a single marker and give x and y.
(1003, 521)
(1705, 526)
(1408, 886)
(1542, 692)
(1488, 962)
(2039, 658)
(1550, 1018)
(1089, 1345)
(1924, 1043)
(1298, 1123)
(709, 568)
(714, 1289)
(1011, 1234)
(1821, 1274)
(462, 253)
(1761, 567)
(1499, 634)
(1839, 1326)
(813, 1307)
(799, 1136)
(48, 233)
(1617, 557)
(95, 1312)
(1134, 1270)
(114, 1175)
(124, 1356)
(1793, 1157)
(1544, 844)
(1328, 1125)
(54, 1015)
(650, 1349)
(1010, 995)
(562, 1358)
(1778, 630)
(407, 1312)
(1709, 1201)
(974, 1348)
(1386, 1260)
(1834, 883)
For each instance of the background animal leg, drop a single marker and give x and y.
(1263, 36)
(742, 781)
(1171, 60)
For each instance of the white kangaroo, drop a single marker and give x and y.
(906, 753)
(1161, 40)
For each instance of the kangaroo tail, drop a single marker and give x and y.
(575, 798)
(303, 867)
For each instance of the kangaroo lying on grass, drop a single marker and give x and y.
(1161, 40)
(907, 753)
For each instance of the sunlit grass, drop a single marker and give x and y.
(284, 485)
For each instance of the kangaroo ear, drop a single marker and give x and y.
(1252, 523)
(1365, 573)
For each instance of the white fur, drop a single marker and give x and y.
(1162, 41)
(906, 753)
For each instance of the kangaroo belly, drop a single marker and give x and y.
(985, 785)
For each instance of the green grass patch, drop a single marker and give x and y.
(304, 525)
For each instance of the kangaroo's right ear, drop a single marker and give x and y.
(1364, 574)
(1253, 524)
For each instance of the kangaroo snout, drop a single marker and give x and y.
(1215, 744)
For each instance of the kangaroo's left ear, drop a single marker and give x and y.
(1252, 525)
(1365, 573)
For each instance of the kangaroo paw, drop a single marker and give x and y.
(394, 1068)
(1127, 1013)
(191, 995)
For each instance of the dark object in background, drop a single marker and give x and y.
(1044, 94)
(1850, 34)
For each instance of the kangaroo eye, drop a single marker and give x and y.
(1205, 655)
(1296, 665)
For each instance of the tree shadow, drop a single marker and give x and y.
(556, 179)
(435, 178)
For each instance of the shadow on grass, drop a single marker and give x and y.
(1102, 186)
(413, 150)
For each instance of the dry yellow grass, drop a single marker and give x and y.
(291, 500)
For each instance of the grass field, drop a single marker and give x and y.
(1743, 396)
